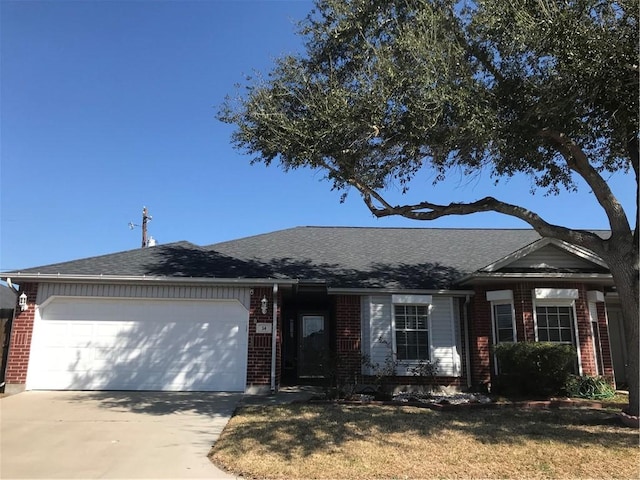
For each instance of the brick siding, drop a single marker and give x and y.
(348, 335)
(21, 335)
(259, 349)
(481, 334)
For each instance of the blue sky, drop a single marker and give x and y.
(110, 106)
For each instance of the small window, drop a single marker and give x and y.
(503, 323)
(555, 324)
(412, 332)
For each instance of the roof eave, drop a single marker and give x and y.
(374, 291)
(74, 278)
(497, 276)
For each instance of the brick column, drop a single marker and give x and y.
(605, 345)
(348, 335)
(20, 342)
(480, 338)
(259, 344)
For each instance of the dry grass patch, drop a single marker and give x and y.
(384, 442)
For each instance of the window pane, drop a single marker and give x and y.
(505, 335)
(412, 340)
(555, 324)
(503, 322)
(402, 352)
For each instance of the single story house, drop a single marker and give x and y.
(278, 309)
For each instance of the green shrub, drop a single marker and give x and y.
(589, 387)
(534, 368)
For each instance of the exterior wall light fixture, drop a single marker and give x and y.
(22, 302)
(264, 303)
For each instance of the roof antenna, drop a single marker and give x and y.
(146, 242)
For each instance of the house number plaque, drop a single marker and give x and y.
(263, 328)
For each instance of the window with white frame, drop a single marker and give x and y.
(555, 315)
(412, 332)
(503, 327)
(555, 323)
(411, 327)
(502, 315)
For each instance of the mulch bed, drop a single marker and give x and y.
(442, 404)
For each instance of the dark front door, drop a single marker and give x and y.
(313, 346)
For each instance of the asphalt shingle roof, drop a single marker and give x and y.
(412, 258)
(350, 257)
(8, 298)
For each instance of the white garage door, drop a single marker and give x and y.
(132, 344)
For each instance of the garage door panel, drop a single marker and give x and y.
(140, 345)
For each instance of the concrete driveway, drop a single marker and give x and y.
(112, 434)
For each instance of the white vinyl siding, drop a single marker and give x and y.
(47, 290)
(380, 340)
(551, 256)
(443, 332)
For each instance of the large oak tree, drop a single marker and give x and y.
(387, 89)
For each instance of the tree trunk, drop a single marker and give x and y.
(622, 259)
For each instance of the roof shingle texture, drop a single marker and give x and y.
(349, 257)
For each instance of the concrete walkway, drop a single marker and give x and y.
(112, 434)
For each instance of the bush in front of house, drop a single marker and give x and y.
(539, 369)
(585, 386)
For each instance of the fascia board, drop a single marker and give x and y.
(529, 276)
(537, 245)
(377, 291)
(64, 278)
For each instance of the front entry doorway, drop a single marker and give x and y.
(308, 335)
(313, 346)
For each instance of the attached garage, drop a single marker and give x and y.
(139, 344)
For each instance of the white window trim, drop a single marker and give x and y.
(597, 348)
(501, 297)
(412, 299)
(419, 300)
(558, 297)
(494, 325)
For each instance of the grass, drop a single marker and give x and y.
(313, 441)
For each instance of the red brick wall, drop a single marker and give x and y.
(348, 335)
(21, 334)
(605, 346)
(481, 336)
(259, 349)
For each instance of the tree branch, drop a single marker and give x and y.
(432, 211)
(474, 49)
(578, 162)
